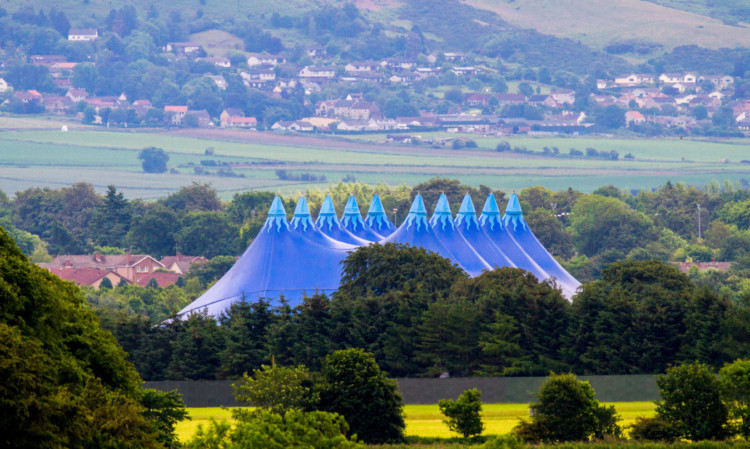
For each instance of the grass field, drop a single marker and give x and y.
(599, 22)
(427, 421)
(39, 154)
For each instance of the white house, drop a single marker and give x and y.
(3, 85)
(83, 34)
(318, 72)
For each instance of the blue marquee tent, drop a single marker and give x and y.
(468, 226)
(445, 230)
(522, 235)
(492, 225)
(329, 224)
(377, 219)
(291, 259)
(353, 222)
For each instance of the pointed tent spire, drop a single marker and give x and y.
(467, 215)
(491, 213)
(302, 215)
(417, 214)
(376, 217)
(276, 216)
(352, 217)
(442, 215)
(513, 213)
(327, 216)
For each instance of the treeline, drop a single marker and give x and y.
(421, 316)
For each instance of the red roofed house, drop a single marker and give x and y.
(163, 278)
(176, 113)
(239, 122)
(634, 117)
(125, 265)
(181, 264)
(88, 276)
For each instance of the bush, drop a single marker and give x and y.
(503, 442)
(296, 429)
(277, 389)
(692, 402)
(567, 411)
(735, 389)
(465, 414)
(353, 386)
(653, 429)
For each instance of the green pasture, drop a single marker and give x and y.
(48, 157)
(427, 421)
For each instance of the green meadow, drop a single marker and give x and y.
(49, 157)
(427, 421)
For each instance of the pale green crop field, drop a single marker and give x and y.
(45, 157)
(427, 421)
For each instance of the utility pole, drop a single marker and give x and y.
(699, 220)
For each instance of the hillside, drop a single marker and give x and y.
(598, 23)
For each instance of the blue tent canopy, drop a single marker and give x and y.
(329, 224)
(522, 235)
(492, 225)
(457, 246)
(353, 222)
(290, 259)
(416, 231)
(468, 226)
(377, 219)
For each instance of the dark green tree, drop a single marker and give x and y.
(153, 232)
(691, 400)
(207, 234)
(246, 326)
(111, 219)
(153, 160)
(196, 348)
(353, 386)
(195, 197)
(164, 409)
(464, 415)
(735, 388)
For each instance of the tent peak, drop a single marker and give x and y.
(417, 213)
(513, 213)
(376, 216)
(352, 217)
(467, 215)
(491, 213)
(327, 216)
(442, 214)
(302, 217)
(276, 216)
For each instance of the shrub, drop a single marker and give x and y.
(692, 402)
(503, 442)
(464, 415)
(735, 389)
(653, 429)
(295, 429)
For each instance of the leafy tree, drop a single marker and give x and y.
(66, 382)
(153, 232)
(464, 415)
(195, 197)
(153, 160)
(164, 410)
(111, 219)
(691, 400)
(600, 223)
(736, 213)
(197, 225)
(353, 386)
(735, 387)
(277, 389)
(566, 410)
(212, 270)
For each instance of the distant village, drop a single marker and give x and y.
(681, 102)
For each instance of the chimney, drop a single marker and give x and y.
(68, 263)
(98, 256)
(179, 256)
(127, 259)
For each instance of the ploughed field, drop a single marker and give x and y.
(427, 421)
(37, 157)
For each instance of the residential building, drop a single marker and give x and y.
(176, 114)
(83, 34)
(313, 72)
(264, 59)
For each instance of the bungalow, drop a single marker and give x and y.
(358, 125)
(264, 59)
(465, 71)
(315, 51)
(538, 100)
(362, 67)
(312, 72)
(674, 78)
(58, 68)
(264, 75)
(454, 56)
(300, 126)
(231, 112)
(141, 107)
(218, 62)
(185, 48)
(478, 100)
(239, 122)
(398, 64)
(83, 34)
(634, 79)
(47, 60)
(404, 78)
(720, 81)
(176, 113)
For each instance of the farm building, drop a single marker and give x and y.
(301, 257)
